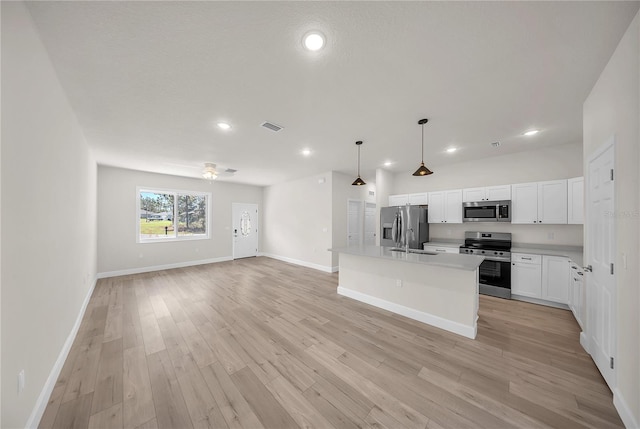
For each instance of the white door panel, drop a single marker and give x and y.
(370, 224)
(600, 246)
(354, 223)
(245, 230)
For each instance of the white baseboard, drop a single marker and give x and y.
(319, 267)
(420, 316)
(623, 409)
(162, 267)
(43, 398)
(335, 269)
(584, 342)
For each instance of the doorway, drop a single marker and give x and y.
(600, 246)
(245, 230)
(354, 222)
(369, 224)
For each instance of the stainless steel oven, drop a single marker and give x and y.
(487, 211)
(495, 270)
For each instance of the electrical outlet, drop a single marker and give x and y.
(20, 381)
(551, 235)
(399, 282)
(141, 256)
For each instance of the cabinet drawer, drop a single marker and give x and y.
(441, 249)
(526, 258)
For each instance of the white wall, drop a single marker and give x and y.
(613, 107)
(297, 221)
(48, 217)
(559, 162)
(342, 192)
(117, 248)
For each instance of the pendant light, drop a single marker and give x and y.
(358, 181)
(422, 170)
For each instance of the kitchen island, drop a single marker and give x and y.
(439, 289)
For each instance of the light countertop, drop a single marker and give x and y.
(575, 253)
(447, 260)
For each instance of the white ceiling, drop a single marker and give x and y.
(149, 80)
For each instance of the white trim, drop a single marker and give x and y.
(420, 316)
(47, 389)
(623, 409)
(161, 267)
(539, 301)
(335, 269)
(319, 267)
(584, 342)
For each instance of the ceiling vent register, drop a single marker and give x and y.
(271, 126)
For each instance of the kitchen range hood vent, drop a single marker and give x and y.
(271, 126)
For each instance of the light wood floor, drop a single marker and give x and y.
(260, 343)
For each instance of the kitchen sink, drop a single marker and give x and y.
(421, 252)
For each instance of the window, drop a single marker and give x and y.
(165, 215)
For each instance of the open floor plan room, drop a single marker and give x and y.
(262, 343)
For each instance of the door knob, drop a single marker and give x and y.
(588, 268)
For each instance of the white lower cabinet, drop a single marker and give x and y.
(555, 279)
(441, 249)
(576, 294)
(526, 275)
(543, 277)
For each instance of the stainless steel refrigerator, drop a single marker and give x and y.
(403, 225)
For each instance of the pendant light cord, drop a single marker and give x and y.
(358, 160)
(423, 144)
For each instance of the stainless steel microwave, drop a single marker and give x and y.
(487, 211)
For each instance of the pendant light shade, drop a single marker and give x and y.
(358, 181)
(422, 170)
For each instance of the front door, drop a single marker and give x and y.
(245, 230)
(601, 283)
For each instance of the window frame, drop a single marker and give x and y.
(176, 193)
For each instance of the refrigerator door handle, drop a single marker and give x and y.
(394, 228)
(401, 229)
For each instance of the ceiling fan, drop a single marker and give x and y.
(210, 171)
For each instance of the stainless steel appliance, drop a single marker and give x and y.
(404, 226)
(487, 211)
(495, 270)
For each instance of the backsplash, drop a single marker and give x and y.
(562, 235)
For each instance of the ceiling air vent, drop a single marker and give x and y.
(271, 126)
(230, 170)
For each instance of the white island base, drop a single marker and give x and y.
(442, 296)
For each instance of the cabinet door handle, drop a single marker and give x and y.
(580, 274)
(528, 259)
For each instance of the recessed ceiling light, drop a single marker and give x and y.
(313, 41)
(223, 125)
(452, 149)
(306, 152)
(388, 163)
(531, 132)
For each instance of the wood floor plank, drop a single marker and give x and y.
(203, 409)
(138, 404)
(108, 418)
(108, 390)
(74, 414)
(259, 343)
(235, 409)
(171, 410)
(261, 401)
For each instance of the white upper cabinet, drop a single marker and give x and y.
(552, 202)
(575, 200)
(398, 200)
(524, 203)
(489, 193)
(539, 202)
(498, 193)
(445, 206)
(419, 199)
(470, 195)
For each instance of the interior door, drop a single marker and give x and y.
(370, 224)
(601, 283)
(354, 223)
(245, 230)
